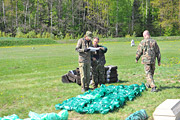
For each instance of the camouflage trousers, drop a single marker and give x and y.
(84, 69)
(98, 72)
(149, 70)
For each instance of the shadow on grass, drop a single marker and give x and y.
(121, 81)
(167, 87)
(115, 83)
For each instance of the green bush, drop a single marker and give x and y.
(47, 35)
(168, 31)
(134, 34)
(9, 35)
(100, 36)
(95, 33)
(79, 36)
(20, 34)
(52, 36)
(3, 34)
(38, 35)
(31, 34)
(110, 36)
(60, 35)
(67, 36)
(128, 36)
(131, 36)
(56, 37)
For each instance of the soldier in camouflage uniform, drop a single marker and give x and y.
(98, 62)
(149, 50)
(84, 59)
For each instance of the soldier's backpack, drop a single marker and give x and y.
(65, 79)
(72, 76)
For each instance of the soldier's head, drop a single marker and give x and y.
(146, 34)
(88, 35)
(95, 41)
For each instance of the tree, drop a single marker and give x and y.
(104, 17)
(168, 13)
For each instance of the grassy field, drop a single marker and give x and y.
(11, 41)
(30, 78)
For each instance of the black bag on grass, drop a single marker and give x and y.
(65, 79)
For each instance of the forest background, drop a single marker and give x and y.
(70, 19)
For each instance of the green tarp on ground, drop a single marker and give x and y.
(62, 115)
(138, 115)
(103, 99)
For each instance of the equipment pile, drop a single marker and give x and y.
(73, 76)
(111, 74)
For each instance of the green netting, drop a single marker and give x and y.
(103, 99)
(12, 117)
(63, 115)
(138, 115)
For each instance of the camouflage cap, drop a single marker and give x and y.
(89, 34)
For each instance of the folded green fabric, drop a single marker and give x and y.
(63, 115)
(138, 115)
(103, 99)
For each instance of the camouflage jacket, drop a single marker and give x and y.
(84, 57)
(99, 55)
(149, 50)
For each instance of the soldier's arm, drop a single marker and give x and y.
(139, 52)
(79, 46)
(158, 54)
(103, 48)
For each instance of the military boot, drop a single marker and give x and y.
(94, 87)
(87, 88)
(154, 89)
(147, 86)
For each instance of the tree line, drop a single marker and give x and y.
(72, 18)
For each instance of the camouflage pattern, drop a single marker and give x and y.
(89, 34)
(149, 50)
(84, 61)
(84, 69)
(98, 74)
(84, 57)
(98, 70)
(149, 70)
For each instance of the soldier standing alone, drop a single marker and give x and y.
(149, 50)
(84, 59)
(98, 62)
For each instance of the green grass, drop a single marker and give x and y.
(11, 41)
(123, 39)
(30, 79)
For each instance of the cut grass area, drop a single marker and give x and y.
(123, 39)
(30, 79)
(11, 41)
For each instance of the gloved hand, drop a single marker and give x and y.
(86, 50)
